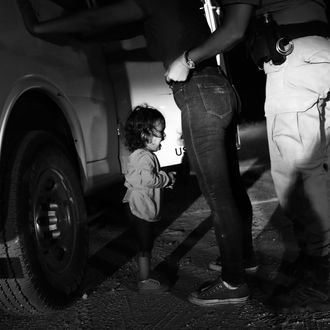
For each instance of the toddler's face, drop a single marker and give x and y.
(157, 137)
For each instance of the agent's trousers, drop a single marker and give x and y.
(297, 111)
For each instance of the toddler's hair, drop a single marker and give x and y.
(139, 125)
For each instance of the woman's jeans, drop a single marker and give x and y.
(208, 105)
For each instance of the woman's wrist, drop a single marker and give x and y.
(187, 60)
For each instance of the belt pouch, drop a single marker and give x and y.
(262, 38)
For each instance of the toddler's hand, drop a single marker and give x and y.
(171, 175)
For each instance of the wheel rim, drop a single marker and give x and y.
(54, 218)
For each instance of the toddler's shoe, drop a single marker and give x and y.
(152, 286)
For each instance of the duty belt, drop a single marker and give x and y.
(299, 30)
(269, 41)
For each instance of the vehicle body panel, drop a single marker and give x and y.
(84, 82)
(63, 107)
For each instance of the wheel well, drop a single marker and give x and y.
(35, 110)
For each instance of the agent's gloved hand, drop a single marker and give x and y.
(29, 15)
(33, 26)
(178, 70)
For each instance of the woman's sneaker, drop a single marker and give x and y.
(219, 293)
(251, 267)
(151, 285)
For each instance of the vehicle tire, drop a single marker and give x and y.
(44, 236)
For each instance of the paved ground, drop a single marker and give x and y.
(183, 250)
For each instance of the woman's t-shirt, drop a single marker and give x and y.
(173, 26)
(287, 11)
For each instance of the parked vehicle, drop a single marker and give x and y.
(62, 109)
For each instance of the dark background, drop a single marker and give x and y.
(246, 77)
(249, 82)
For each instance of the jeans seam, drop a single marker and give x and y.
(194, 149)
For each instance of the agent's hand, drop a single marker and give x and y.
(29, 15)
(32, 24)
(178, 70)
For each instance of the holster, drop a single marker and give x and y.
(261, 42)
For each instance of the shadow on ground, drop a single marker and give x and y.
(106, 261)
